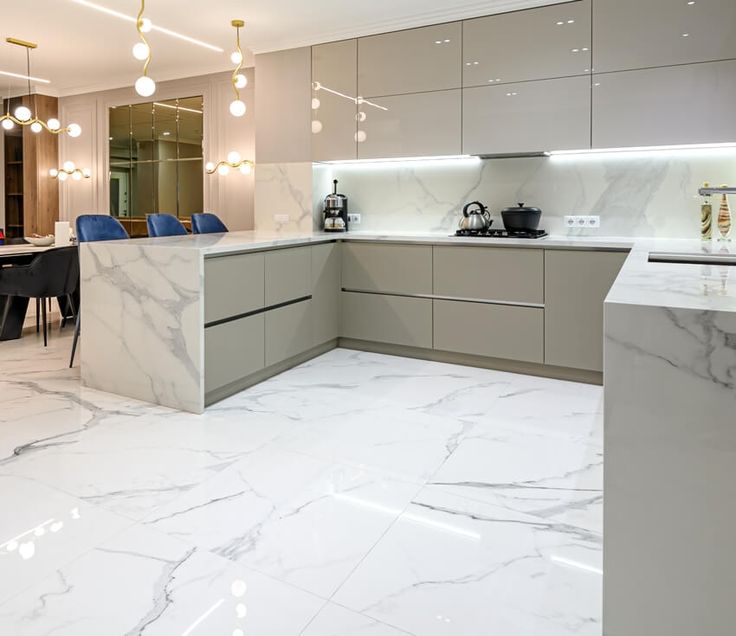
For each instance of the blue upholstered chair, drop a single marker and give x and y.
(95, 227)
(164, 225)
(206, 223)
(99, 227)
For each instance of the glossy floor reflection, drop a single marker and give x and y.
(355, 494)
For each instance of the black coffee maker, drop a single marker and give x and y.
(335, 211)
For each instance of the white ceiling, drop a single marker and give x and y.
(82, 50)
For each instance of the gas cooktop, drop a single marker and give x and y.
(497, 233)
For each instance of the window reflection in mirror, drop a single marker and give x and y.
(156, 165)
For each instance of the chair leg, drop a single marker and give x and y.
(43, 318)
(74, 342)
(38, 314)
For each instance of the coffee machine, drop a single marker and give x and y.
(335, 211)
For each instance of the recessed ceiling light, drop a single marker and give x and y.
(585, 48)
(165, 133)
(25, 77)
(685, 35)
(128, 18)
(189, 110)
(446, 41)
(692, 2)
(438, 41)
(571, 21)
(576, 50)
(560, 22)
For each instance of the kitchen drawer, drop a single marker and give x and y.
(288, 275)
(391, 319)
(233, 350)
(497, 331)
(398, 269)
(288, 331)
(233, 285)
(488, 273)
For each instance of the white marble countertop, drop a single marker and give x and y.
(690, 286)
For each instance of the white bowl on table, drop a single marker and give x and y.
(41, 241)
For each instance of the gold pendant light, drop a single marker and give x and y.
(69, 169)
(23, 116)
(239, 80)
(144, 85)
(234, 160)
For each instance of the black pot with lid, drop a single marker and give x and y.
(521, 218)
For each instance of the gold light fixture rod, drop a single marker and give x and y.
(238, 23)
(17, 42)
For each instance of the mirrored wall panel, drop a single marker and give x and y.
(156, 160)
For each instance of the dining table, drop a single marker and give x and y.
(14, 308)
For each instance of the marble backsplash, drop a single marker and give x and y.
(645, 194)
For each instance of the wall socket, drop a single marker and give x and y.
(354, 218)
(582, 221)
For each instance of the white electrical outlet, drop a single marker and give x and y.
(582, 221)
(354, 218)
(281, 218)
(570, 220)
(593, 220)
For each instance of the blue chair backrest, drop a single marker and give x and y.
(164, 225)
(99, 227)
(206, 223)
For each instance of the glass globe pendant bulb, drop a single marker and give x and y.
(53, 172)
(233, 156)
(53, 123)
(236, 57)
(36, 127)
(145, 86)
(360, 136)
(237, 108)
(209, 166)
(63, 176)
(245, 168)
(316, 127)
(241, 81)
(69, 166)
(87, 173)
(223, 170)
(74, 130)
(23, 113)
(140, 51)
(146, 25)
(8, 124)
(315, 103)
(77, 176)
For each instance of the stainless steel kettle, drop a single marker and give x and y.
(475, 219)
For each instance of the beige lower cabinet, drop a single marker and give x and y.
(387, 268)
(233, 351)
(288, 331)
(497, 331)
(233, 285)
(576, 284)
(325, 293)
(288, 274)
(490, 273)
(397, 320)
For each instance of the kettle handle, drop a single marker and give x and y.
(483, 209)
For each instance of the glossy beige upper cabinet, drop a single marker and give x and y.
(425, 59)
(632, 34)
(527, 117)
(417, 125)
(688, 104)
(533, 44)
(334, 90)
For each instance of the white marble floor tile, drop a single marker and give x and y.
(334, 620)
(142, 582)
(453, 566)
(298, 518)
(42, 529)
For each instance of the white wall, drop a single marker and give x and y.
(230, 197)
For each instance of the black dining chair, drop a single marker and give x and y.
(51, 274)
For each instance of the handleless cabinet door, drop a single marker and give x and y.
(233, 285)
(388, 269)
(487, 273)
(418, 125)
(334, 68)
(688, 104)
(233, 351)
(576, 285)
(527, 117)
(539, 43)
(411, 61)
(288, 275)
(391, 319)
(631, 34)
(288, 331)
(325, 292)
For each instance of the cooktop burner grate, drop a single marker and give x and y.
(497, 233)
